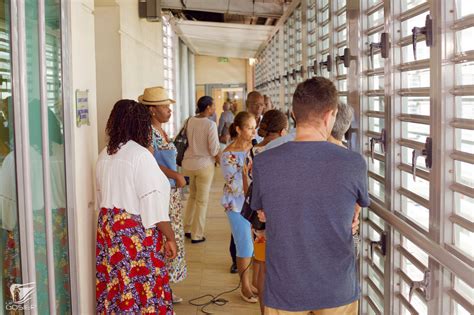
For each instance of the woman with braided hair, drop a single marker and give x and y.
(133, 197)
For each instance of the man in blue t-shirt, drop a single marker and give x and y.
(307, 189)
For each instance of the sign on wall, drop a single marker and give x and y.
(82, 108)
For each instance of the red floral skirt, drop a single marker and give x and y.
(131, 276)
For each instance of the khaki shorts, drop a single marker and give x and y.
(349, 309)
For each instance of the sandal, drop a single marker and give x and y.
(252, 299)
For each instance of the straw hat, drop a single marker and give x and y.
(155, 96)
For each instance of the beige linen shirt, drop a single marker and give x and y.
(203, 144)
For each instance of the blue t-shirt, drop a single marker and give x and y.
(308, 191)
(281, 140)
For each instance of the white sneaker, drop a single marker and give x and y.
(177, 299)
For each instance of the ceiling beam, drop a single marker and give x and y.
(241, 7)
(269, 21)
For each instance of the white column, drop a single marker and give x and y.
(184, 83)
(191, 82)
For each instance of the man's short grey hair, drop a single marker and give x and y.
(343, 120)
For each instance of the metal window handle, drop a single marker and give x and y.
(426, 152)
(314, 68)
(424, 285)
(295, 72)
(381, 244)
(346, 57)
(383, 45)
(382, 140)
(327, 63)
(427, 30)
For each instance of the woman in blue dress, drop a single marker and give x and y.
(235, 172)
(165, 153)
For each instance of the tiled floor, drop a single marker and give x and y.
(209, 263)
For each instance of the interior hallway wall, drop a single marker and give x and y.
(142, 51)
(208, 70)
(129, 56)
(84, 146)
(109, 59)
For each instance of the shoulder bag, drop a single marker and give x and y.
(181, 143)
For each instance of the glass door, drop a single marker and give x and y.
(33, 236)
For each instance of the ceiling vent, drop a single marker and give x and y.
(150, 10)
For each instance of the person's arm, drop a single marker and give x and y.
(170, 244)
(355, 219)
(153, 192)
(363, 199)
(213, 143)
(245, 181)
(180, 181)
(213, 140)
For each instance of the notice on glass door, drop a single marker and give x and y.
(82, 108)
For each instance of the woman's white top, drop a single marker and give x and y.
(132, 180)
(203, 144)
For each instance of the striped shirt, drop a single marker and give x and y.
(203, 144)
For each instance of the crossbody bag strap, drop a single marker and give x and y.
(183, 130)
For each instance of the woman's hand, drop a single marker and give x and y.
(217, 159)
(261, 216)
(171, 249)
(180, 181)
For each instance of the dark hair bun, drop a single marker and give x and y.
(233, 131)
(204, 102)
(273, 121)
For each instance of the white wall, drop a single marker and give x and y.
(208, 70)
(114, 55)
(85, 151)
(142, 51)
(108, 64)
(129, 56)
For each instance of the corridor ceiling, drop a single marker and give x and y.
(224, 28)
(222, 39)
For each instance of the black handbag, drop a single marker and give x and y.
(248, 213)
(181, 144)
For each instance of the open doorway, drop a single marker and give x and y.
(234, 93)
